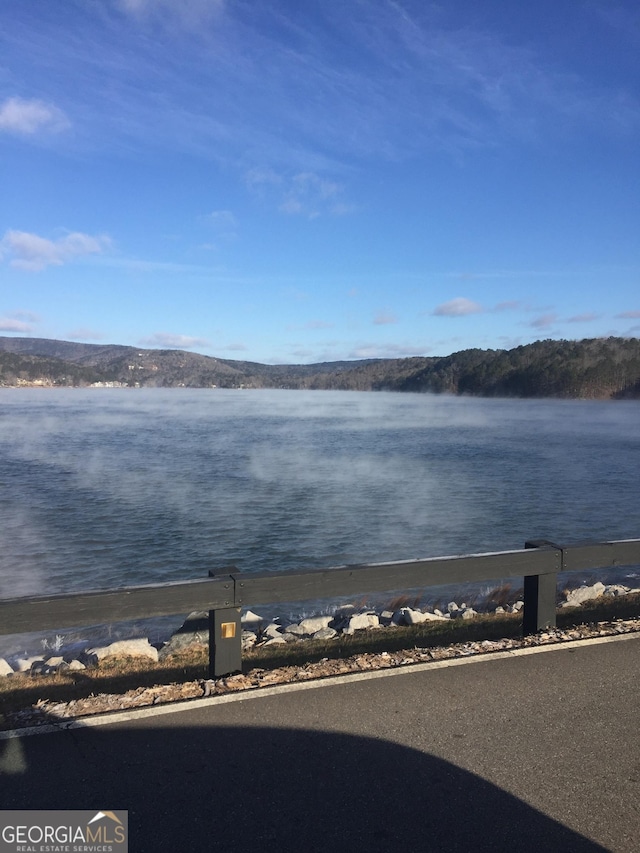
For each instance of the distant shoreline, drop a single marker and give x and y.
(597, 369)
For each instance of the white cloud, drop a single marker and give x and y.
(166, 340)
(25, 118)
(458, 307)
(8, 324)
(34, 253)
(628, 315)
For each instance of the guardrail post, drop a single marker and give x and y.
(540, 592)
(225, 634)
(225, 642)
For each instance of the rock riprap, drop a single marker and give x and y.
(47, 712)
(258, 631)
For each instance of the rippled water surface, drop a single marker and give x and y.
(102, 488)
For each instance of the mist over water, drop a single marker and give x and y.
(108, 487)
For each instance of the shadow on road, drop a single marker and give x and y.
(232, 789)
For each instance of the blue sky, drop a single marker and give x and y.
(287, 181)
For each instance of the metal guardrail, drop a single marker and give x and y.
(225, 591)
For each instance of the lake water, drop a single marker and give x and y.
(110, 487)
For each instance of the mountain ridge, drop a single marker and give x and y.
(598, 368)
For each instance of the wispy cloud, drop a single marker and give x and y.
(305, 194)
(544, 321)
(29, 316)
(509, 341)
(295, 294)
(587, 317)
(458, 307)
(34, 253)
(514, 274)
(301, 352)
(318, 324)
(311, 325)
(85, 334)
(235, 347)
(385, 318)
(623, 18)
(412, 80)
(310, 195)
(10, 324)
(189, 13)
(340, 350)
(167, 340)
(509, 305)
(628, 315)
(140, 265)
(224, 227)
(258, 179)
(222, 221)
(382, 350)
(28, 117)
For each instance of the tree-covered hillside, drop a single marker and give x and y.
(594, 368)
(18, 369)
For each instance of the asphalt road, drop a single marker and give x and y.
(537, 752)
